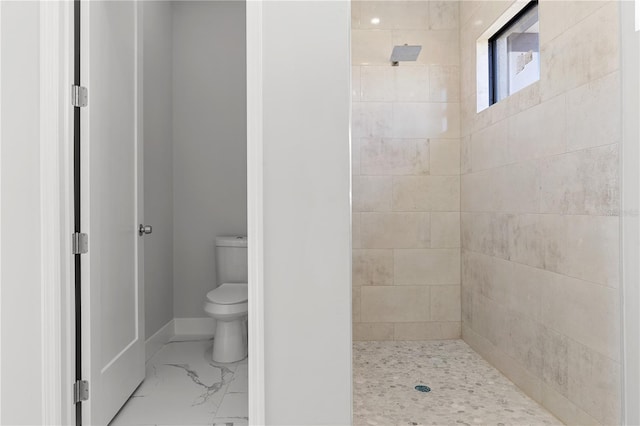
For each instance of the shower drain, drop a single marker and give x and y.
(423, 388)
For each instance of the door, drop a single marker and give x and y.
(111, 159)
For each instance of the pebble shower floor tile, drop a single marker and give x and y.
(465, 389)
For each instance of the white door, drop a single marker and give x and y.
(112, 300)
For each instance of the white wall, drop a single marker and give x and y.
(158, 164)
(209, 137)
(306, 103)
(20, 214)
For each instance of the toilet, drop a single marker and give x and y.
(227, 303)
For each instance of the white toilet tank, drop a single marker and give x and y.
(231, 260)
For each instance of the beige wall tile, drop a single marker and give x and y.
(394, 156)
(414, 120)
(395, 304)
(529, 138)
(591, 249)
(539, 226)
(482, 119)
(372, 193)
(596, 44)
(523, 288)
(444, 157)
(411, 83)
(395, 230)
(555, 368)
(443, 15)
(480, 232)
(445, 230)
(468, 8)
(371, 47)
(356, 90)
(356, 235)
(527, 382)
(524, 99)
(594, 113)
(586, 312)
(392, 14)
(536, 240)
(525, 342)
(552, 18)
(490, 147)
(586, 51)
(515, 286)
(465, 155)
(411, 14)
(491, 320)
(468, 82)
(519, 188)
(426, 193)
(466, 301)
(578, 10)
(553, 78)
(372, 120)
(355, 15)
(594, 383)
(557, 16)
(396, 110)
(377, 83)
(445, 303)
(355, 304)
(444, 83)
(372, 332)
(478, 343)
(372, 267)
(427, 330)
(477, 274)
(564, 409)
(355, 156)
(513, 188)
(479, 191)
(427, 267)
(581, 182)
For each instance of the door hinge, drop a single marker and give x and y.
(80, 391)
(80, 243)
(79, 96)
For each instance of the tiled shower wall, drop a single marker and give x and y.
(406, 172)
(540, 206)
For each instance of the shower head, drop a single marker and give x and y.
(404, 53)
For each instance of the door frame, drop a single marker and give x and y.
(255, 221)
(57, 283)
(57, 332)
(630, 213)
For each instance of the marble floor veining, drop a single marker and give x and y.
(183, 386)
(465, 389)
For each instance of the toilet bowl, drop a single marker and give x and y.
(228, 305)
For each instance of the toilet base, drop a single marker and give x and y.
(230, 341)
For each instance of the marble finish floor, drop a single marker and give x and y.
(465, 389)
(183, 386)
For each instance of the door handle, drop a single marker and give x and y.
(144, 229)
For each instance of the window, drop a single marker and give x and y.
(514, 54)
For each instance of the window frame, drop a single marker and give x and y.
(493, 95)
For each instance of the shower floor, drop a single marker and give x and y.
(465, 389)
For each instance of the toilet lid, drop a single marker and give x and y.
(228, 294)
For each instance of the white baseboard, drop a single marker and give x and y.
(195, 326)
(162, 336)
